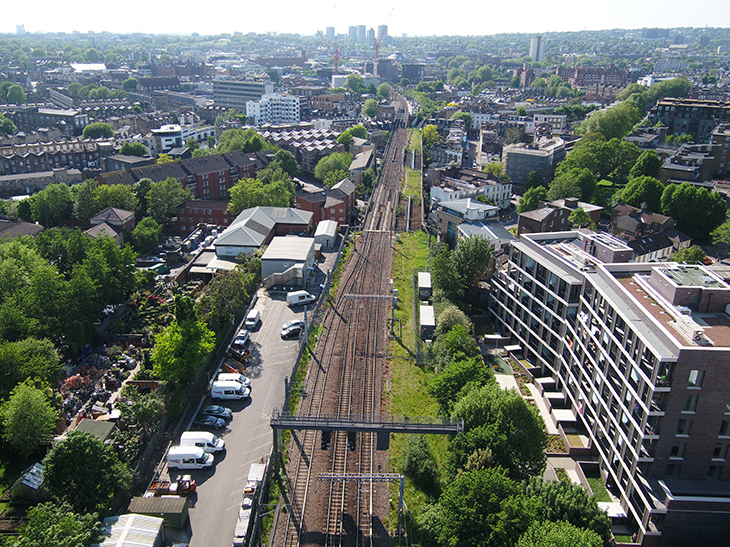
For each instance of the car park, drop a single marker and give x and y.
(209, 421)
(293, 323)
(292, 332)
(217, 411)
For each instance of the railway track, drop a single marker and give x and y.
(345, 378)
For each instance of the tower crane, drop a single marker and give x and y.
(379, 39)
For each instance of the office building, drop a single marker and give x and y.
(371, 37)
(236, 93)
(635, 356)
(352, 33)
(361, 33)
(330, 33)
(383, 33)
(537, 48)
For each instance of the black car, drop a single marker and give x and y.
(292, 332)
(210, 421)
(216, 411)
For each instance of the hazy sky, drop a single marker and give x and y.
(423, 17)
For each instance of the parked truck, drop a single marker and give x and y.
(183, 486)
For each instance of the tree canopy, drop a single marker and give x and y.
(370, 108)
(690, 255)
(643, 189)
(28, 418)
(248, 193)
(246, 140)
(647, 165)
(134, 149)
(573, 183)
(579, 218)
(465, 117)
(58, 525)
(502, 421)
(164, 198)
(334, 163)
(473, 255)
(146, 235)
(182, 348)
(98, 130)
(558, 534)
(531, 199)
(85, 472)
(697, 211)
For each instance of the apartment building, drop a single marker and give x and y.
(634, 355)
(236, 93)
(691, 116)
(470, 183)
(449, 215)
(274, 108)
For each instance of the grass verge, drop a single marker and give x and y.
(599, 489)
(407, 387)
(412, 186)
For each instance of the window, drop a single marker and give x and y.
(673, 470)
(690, 403)
(677, 450)
(683, 427)
(720, 452)
(695, 378)
(714, 472)
(725, 428)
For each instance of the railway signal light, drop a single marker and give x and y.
(326, 441)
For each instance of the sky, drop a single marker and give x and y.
(414, 18)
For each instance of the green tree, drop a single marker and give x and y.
(418, 463)
(571, 503)
(16, 95)
(130, 84)
(383, 91)
(579, 218)
(211, 142)
(84, 472)
(473, 255)
(28, 418)
(226, 296)
(521, 111)
(250, 193)
(140, 189)
(98, 130)
(615, 122)
(119, 196)
(134, 149)
(58, 525)
(447, 282)
(502, 421)
(721, 234)
(288, 162)
(182, 348)
(497, 169)
(574, 183)
(7, 126)
(430, 135)
(482, 508)
(697, 211)
(164, 198)
(648, 165)
(465, 117)
(690, 255)
(370, 108)
(142, 412)
(643, 189)
(333, 162)
(345, 139)
(457, 375)
(52, 204)
(533, 180)
(356, 83)
(531, 199)
(558, 534)
(246, 140)
(192, 144)
(458, 343)
(84, 202)
(451, 316)
(146, 235)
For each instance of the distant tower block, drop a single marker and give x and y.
(537, 48)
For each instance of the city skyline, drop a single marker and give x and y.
(405, 17)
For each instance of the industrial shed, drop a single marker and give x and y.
(326, 234)
(172, 509)
(132, 530)
(288, 261)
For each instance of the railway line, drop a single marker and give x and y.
(345, 377)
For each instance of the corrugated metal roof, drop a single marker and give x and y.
(131, 530)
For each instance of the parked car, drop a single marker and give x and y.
(293, 323)
(210, 421)
(241, 338)
(292, 332)
(217, 411)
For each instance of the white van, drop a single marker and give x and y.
(188, 457)
(252, 319)
(207, 441)
(228, 390)
(234, 377)
(297, 298)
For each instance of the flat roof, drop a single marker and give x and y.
(692, 275)
(289, 248)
